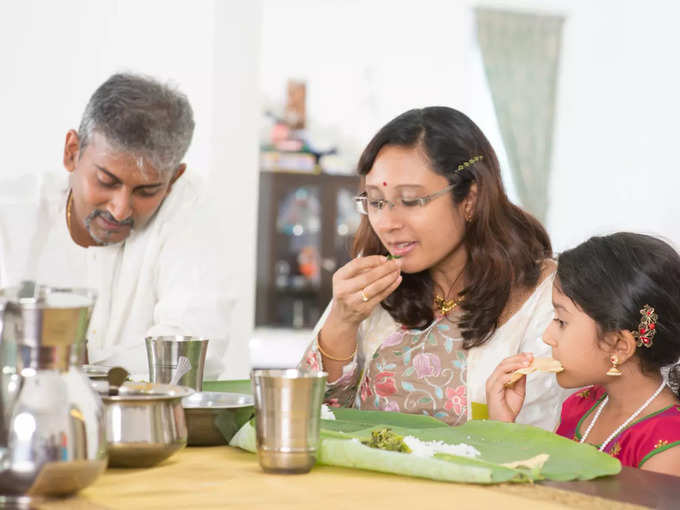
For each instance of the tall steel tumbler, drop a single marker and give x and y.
(165, 353)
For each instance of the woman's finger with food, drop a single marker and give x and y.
(372, 275)
(380, 289)
(376, 281)
(359, 265)
(356, 275)
(353, 298)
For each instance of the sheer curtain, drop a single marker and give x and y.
(478, 105)
(521, 57)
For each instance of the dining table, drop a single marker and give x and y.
(228, 477)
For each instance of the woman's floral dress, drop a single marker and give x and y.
(412, 371)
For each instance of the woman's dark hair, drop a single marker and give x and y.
(612, 277)
(505, 245)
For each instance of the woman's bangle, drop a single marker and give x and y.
(326, 355)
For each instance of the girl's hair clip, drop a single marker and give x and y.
(647, 328)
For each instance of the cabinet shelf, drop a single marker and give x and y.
(305, 223)
(290, 291)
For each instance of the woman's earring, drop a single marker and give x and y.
(614, 371)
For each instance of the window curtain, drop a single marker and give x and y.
(521, 55)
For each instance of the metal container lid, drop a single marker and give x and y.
(31, 295)
(135, 391)
(42, 316)
(95, 371)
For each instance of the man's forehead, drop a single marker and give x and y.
(124, 165)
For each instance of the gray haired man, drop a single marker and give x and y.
(125, 157)
(128, 224)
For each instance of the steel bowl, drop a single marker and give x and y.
(214, 417)
(145, 422)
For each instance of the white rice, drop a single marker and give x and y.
(429, 448)
(326, 413)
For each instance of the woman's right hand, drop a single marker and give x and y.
(504, 403)
(360, 285)
(373, 277)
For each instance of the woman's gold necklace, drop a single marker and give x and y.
(447, 305)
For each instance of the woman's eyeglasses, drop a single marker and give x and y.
(369, 206)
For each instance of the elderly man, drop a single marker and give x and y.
(126, 224)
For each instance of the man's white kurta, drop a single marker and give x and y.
(169, 278)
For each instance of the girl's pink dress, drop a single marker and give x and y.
(635, 444)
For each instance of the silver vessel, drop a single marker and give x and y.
(52, 435)
(145, 422)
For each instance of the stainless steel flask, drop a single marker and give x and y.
(52, 435)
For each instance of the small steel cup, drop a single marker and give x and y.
(287, 413)
(164, 353)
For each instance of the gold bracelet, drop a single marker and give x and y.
(326, 355)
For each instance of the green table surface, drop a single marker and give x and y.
(232, 386)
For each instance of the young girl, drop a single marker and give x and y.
(616, 330)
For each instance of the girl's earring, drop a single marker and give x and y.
(614, 371)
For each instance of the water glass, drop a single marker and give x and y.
(287, 413)
(164, 355)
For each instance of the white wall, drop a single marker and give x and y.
(235, 171)
(614, 166)
(364, 61)
(615, 162)
(54, 54)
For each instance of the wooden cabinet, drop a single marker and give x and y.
(306, 224)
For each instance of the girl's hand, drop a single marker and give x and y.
(505, 403)
(360, 285)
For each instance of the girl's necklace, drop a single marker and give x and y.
(625, 423)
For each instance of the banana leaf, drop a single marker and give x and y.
(509, 452)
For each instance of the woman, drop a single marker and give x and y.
(467, 282)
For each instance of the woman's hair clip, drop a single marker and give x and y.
(647, 327)
(469, 162)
